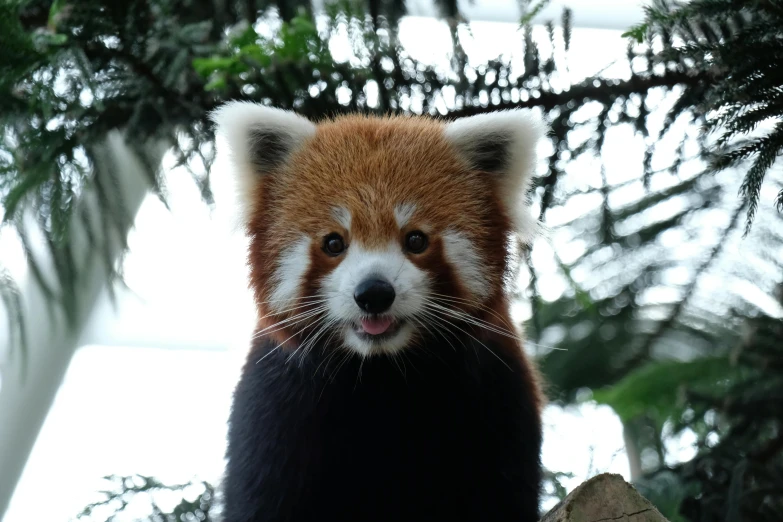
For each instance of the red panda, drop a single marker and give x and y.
(385, 381)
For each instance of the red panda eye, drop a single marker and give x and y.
(334, 244)
(416, 242)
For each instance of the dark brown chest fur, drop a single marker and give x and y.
(442, 432)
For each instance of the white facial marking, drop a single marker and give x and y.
(343, 216)
(467, 262)
(403, 213)
(411, 286)
(289, 274)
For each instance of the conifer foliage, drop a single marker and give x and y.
(667, 308)
(738, 46)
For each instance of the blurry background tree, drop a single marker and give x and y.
(666, 303)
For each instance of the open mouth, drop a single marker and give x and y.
(377, 328)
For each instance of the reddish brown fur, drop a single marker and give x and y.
(369, 165)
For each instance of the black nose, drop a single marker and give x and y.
(374, 295)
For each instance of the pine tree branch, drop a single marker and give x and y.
(677, 310)
(601, 90)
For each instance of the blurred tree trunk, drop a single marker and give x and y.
(633, 452)
(30, 384)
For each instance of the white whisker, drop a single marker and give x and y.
(292, 299)
(452, 299)
(548, 347)
(423, 324)
(456, 314)
(484, 324)
(283, 312)
(285, 341)
(477, 340)
(342, 362)
(438, 323)
(308, 345)
(327, 358)
(298, 318)
(402, 371)
(359, 373)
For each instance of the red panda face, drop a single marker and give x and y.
(369, 233)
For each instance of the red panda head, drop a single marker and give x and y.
(363, 230)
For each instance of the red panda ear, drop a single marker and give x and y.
(260, 139)
(503, 145)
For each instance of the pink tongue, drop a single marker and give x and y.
(376, 326)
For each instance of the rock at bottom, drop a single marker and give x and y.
(604, 498)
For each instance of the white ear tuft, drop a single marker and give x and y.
(259, 139)
(503, 145)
